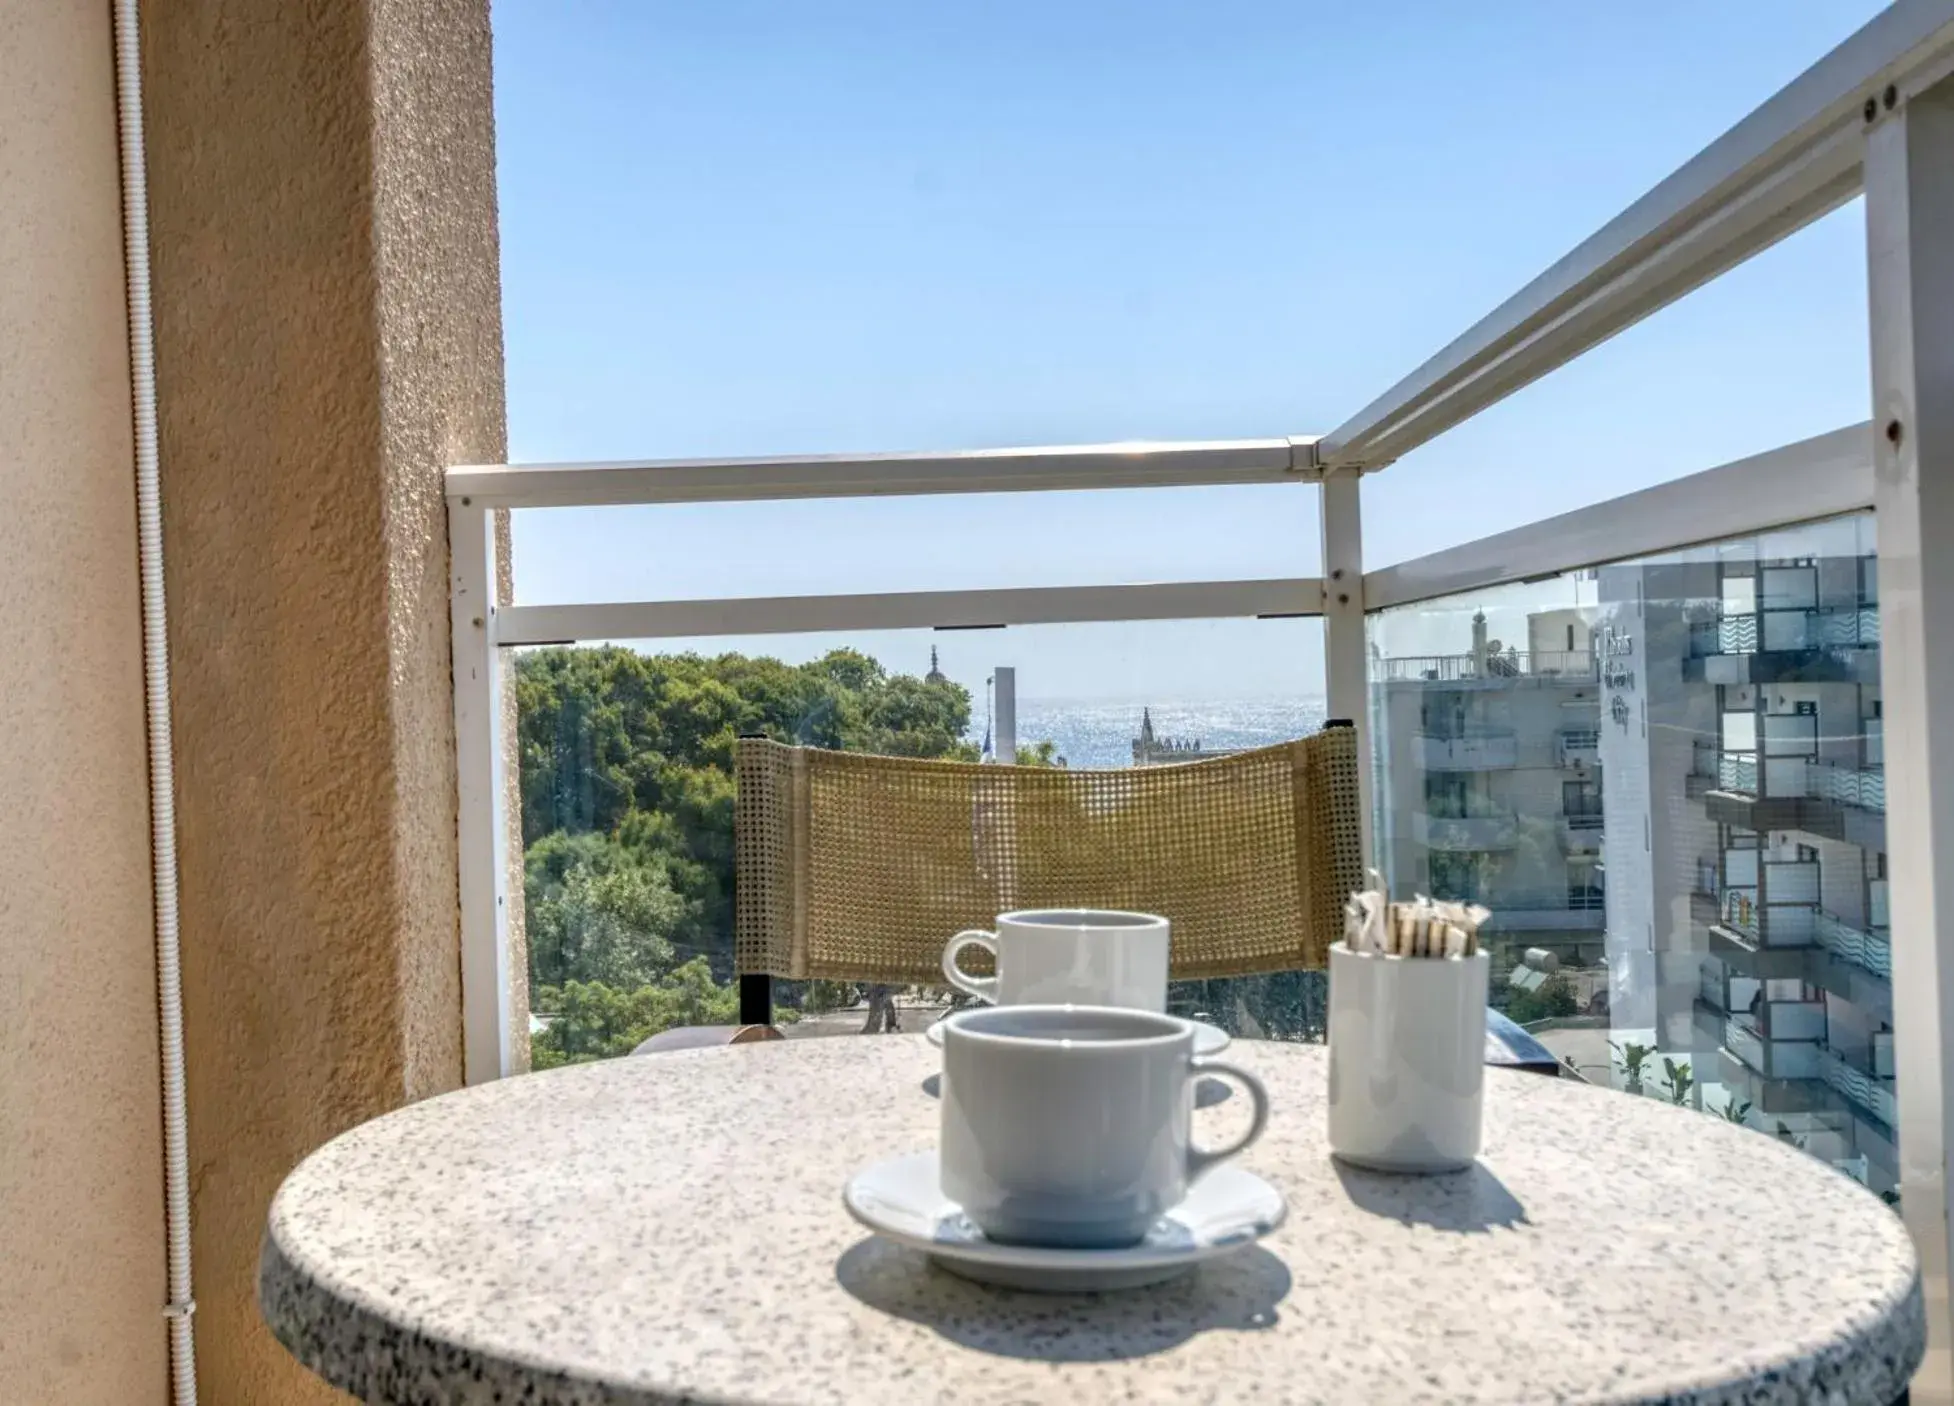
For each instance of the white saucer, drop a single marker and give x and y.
(1208, 1039)
(1227, 1210)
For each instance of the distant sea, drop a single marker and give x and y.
(1100, 734)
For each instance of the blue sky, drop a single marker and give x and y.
(816, 227)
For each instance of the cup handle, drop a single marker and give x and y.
(984, 988)
(1200, 1160)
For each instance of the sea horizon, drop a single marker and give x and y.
(1100, 732)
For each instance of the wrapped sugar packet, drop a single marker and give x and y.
(1423, 927)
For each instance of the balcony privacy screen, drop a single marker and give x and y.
(860, 868)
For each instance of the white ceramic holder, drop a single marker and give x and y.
(1407, 1059)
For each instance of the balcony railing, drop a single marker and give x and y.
(1572, 665)
(1493, 749)
(1771, 1058)
(1737, 772)
(1855, 625)
(1466, 834)
(1786, 629)
(1580, 747)
(1866, 948)
(1871, 1093)
(1847, 786)
(1792, 923)
(1580, 831)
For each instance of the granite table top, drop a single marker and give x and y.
(669, 1228)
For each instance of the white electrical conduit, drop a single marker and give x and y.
(156, 686)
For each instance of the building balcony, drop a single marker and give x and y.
(1466, 834)
(1547, 666)
(1787, 630)
(1869, 949)
(1737, 773)
(1580, 833)
(1491, 750)
(1798, 643)
(1774, 1057)
(1579, 748)
(1864, 787)
(1862, 1087)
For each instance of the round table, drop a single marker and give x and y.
(670, 1228)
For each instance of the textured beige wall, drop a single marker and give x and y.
(328, 339)
(81, 1208)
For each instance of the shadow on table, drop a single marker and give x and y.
(1235, 1294)
(1207, 1092)
(1466, 1201)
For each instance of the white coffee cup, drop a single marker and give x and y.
(1070, 1125)
(1087, 956)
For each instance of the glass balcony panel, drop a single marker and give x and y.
(1737, 635)
(1848, 786)
(1792, 880)
(1864, 1089)
(1790, 734)
(1490, 750)
(1785, 776)
(1723, 946)
(1580, 747)
(1868, 947)
(1787, 588)
(1786, 629)
(827, 546)
(625, 768)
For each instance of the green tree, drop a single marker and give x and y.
(1553, 997)
(1043, 753)
(627, 814)
(597, 912)
(591, 1020)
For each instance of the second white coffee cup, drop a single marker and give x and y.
(1071, 1125)
(1086, 956)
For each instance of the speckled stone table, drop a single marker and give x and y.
(669, 1228)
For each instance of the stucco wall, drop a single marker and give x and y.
(328, 340)
(81, 1208)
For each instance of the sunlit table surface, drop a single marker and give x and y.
(669, 1227)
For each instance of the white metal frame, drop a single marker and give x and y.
(1910, 268)
(482, 833)
(1874, 114)
(1140, 464)
(1815, 478)
(907, 610)
(1790, 161)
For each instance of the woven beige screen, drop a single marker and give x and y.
(859, 868)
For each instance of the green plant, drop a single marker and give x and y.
(1677, 1081)
(1633, 1057)
(1736, 1111)
(1553, 997)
